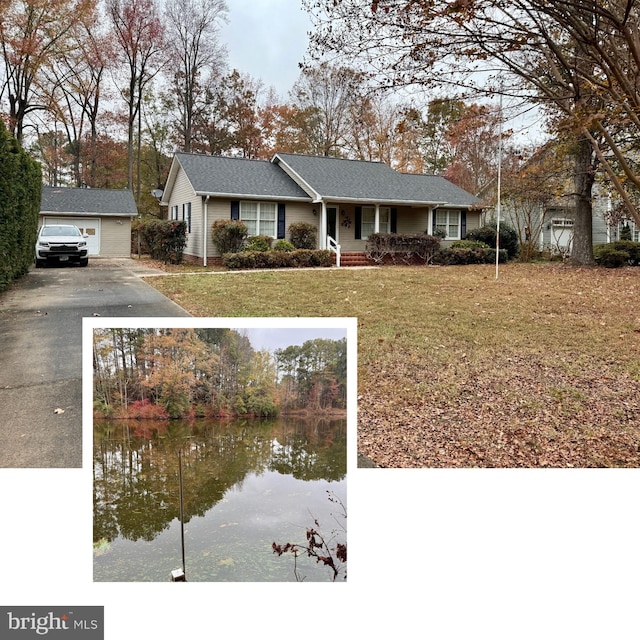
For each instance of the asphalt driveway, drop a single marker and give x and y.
(41, 353)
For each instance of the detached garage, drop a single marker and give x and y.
(104, 215)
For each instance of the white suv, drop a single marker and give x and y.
(63, 243)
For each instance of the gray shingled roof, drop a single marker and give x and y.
(238, 177)
(103, 202)
(340, 179)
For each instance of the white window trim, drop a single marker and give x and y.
(258, 219)
(457, 213)
(363, 235)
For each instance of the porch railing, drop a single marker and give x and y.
(332, 245)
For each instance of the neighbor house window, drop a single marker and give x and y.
(448, 220)
(369, 220)
(635, 231)
(259, 218)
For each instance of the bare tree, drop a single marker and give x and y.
(327, 93)
(139, 35)
(198, 58)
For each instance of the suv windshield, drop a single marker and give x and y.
(60, 230)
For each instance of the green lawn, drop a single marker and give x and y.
(538, 368)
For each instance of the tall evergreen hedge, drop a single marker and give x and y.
(20, 192)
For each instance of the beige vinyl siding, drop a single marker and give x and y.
(115, 237)
(219, 209)
(303, 212)
(413, 220)
(181, 194)
(473, 220)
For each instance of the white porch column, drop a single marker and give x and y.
(376, 219)
(205, 222)
(323, 226)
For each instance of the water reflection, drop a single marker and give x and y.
(246, 483)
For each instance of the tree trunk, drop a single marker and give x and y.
(584, 177)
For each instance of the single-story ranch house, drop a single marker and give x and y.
(345, 199)
(104, 215)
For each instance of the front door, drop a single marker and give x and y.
(332, 226)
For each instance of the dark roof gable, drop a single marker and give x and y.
(363, 181)
(103, 202)
(238, 177)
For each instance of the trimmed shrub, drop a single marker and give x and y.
(278, 259)
(20, 193)
(303, 235)
(632, 248)
(469, 244)
(283, 245)
(487, 235)
(617, 254)
(229, 235)
(166, 239)
(258, 243)
(463, 255)
(405, 247)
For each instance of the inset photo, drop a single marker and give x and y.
(219, 448)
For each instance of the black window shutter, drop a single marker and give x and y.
(394, 221)
(235, 210)
(433, 220)
(358, 229)
(281, 220)
(188, 217)
(463, 225)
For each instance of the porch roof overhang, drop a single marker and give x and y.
(380, 202)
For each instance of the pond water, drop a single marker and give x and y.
(246, 484)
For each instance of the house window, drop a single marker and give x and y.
(186, 215)
(562, 222)
(173, 215)
(259, 217)
(448, 220)
(369, 220)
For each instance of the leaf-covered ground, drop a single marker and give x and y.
(540, 368)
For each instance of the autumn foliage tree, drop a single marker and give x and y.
(579, 59)
(32, 34)
(182, 372)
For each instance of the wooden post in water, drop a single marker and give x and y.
(177, 575)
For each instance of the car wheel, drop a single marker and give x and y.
(40, 263)
(84, 263)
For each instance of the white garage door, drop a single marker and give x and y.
(88, 226)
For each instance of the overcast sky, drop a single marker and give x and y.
(272, 339)
(267, 39)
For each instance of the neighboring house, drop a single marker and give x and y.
(550, 226)
(104, 215)
(347, 200)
